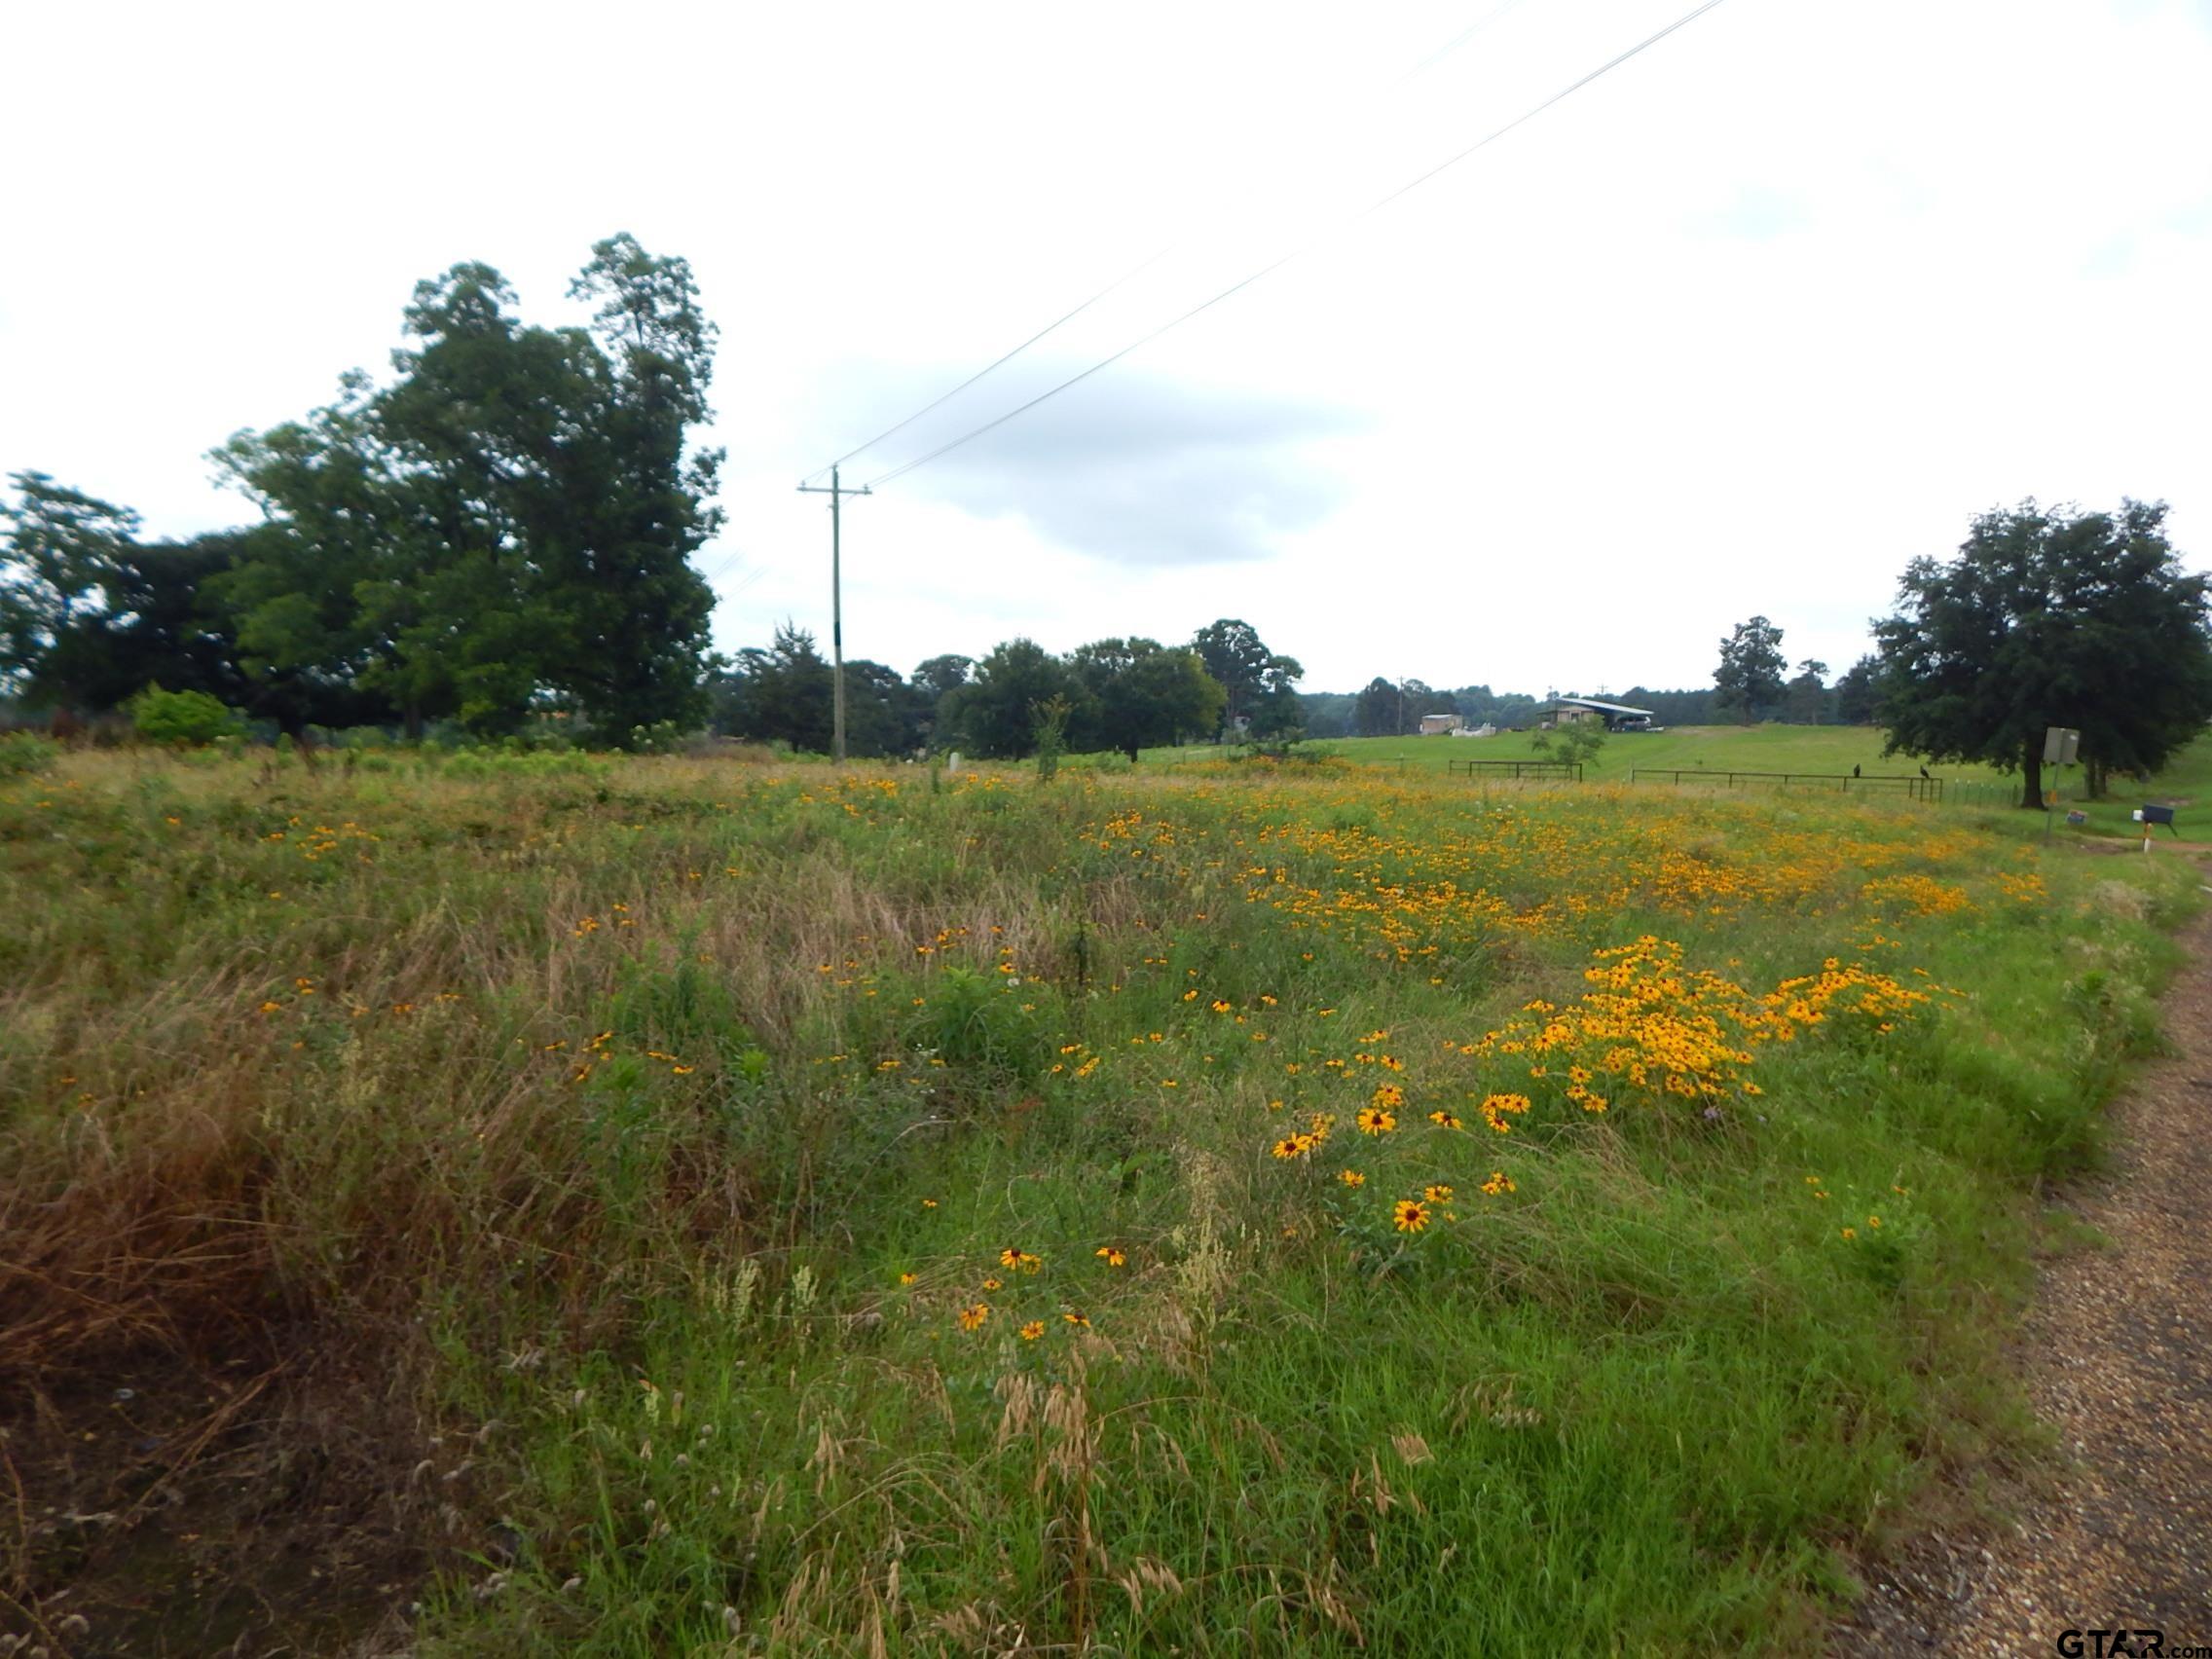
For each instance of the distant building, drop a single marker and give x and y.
(1433, 724)
(1580, 711)
(1485, 729)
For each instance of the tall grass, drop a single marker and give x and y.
(638, 1135)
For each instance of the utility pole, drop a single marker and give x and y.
(836, 492)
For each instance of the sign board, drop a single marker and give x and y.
(2060, 744)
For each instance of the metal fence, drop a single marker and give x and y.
(1565, 770)
(1921, 787)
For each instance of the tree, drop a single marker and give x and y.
(61, 556)
(1236, 655)
(1807, 695)
(2049, 617)
(1279, 712)
(1139, 693)
(782, 694)
(884, 715)
(943, 674)
(1374, 712)
(1857, 693)
(995, 714)
(1750, 676)
(511, 522)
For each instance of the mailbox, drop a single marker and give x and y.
(2150, 815)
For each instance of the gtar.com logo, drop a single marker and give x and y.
(2112, 1644)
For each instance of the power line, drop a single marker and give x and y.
(1374, 207)
(1435, 56)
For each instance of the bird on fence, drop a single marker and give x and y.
(1855, 771)
(1924, 771)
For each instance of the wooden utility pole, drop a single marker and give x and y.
(836, 492)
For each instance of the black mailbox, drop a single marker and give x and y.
(2150, 815)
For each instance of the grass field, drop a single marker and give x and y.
(1832, 750)
(647, 1206)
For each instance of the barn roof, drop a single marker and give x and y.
(1601, 708)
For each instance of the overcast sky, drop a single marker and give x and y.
(1740, 327)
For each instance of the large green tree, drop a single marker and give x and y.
(60, 555)
(995, 714)
(511, 522)
(1859, 692)
(1750, 676)
(1139, 693)
(1806, 696)
(2049, 617)
(1251, 675)
(780, 694)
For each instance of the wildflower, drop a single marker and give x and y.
(1112, 1257)
(1389, 1098)
(1033, 1330)
(972, 1318)
(1500, 1181)
(928, 1204)
(1351, 1178)
(1410, 1215)
(1373, 1121)
(271, 1007)
(906, 1278)
(990, 1284)
(1437, 1193)
(1021, 1260)
(1219, 1006)
(1444, 1119)
(1874, 1221)
(1850, 1233)
(1293, 1146)
(1074, 1318)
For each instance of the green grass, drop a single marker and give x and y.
(580, 1124)
(1713, 752)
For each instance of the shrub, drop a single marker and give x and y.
(25, 754)
(182, 720)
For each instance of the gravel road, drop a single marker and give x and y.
(2116, 1354)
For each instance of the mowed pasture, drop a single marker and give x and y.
(1820, 759)
(645, 1206)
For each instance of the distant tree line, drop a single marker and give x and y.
(503, 530)
(1124, 694)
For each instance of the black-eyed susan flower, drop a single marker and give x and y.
(1112, 1257)
(1033, 1330)
(1444, 1119)
(1409, 1215)
(1437, 1192)
(972, 1318)
(1373, 1121)
(1074, 1318)
(1352, 1177)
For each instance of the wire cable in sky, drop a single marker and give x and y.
(1522, 119)
(1427, 62)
